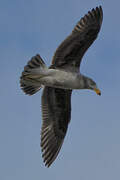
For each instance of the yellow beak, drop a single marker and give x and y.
(98, 92)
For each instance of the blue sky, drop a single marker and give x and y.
(91, 149)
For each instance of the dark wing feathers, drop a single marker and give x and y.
(56, 103)
(69, 54)
(56, 112)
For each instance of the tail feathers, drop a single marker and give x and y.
(32, 71)
(36, 63)
(28, 87)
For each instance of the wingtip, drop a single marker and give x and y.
(101, 13)
(100, 6)
(100, 9)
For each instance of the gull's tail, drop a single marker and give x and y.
(30, 78)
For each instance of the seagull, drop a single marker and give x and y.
(59, 80)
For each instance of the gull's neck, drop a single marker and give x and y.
(83, 81)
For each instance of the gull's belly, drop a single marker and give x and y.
(60, 79)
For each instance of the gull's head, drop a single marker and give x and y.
(92, 85)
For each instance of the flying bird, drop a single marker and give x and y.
(59, 80)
